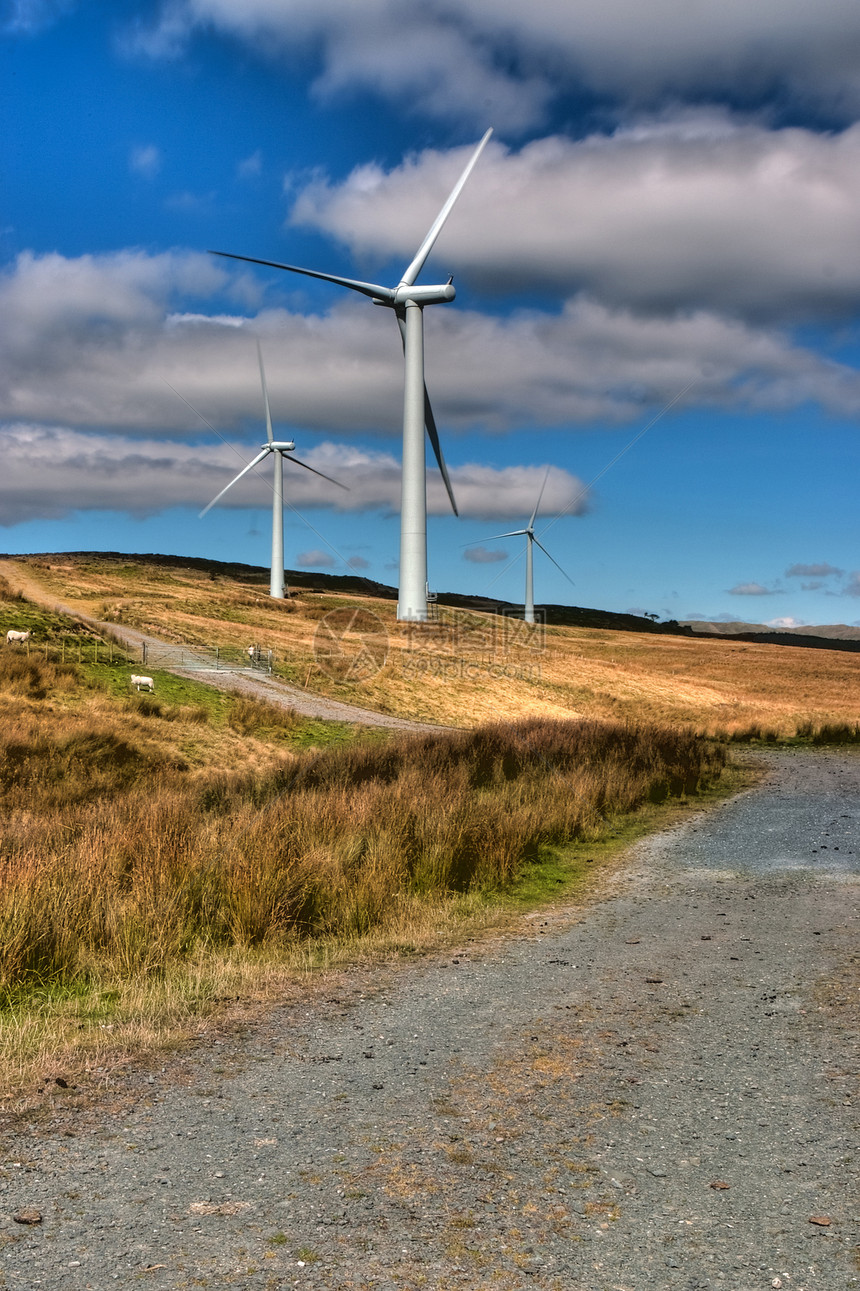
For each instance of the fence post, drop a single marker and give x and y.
(143, 652)
(217, 657)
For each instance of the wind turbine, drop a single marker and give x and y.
(408, 302)
(531, 538)
(278, 449)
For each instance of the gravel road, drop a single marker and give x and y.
(654, 1090)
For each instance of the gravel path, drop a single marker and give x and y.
(656, 1090)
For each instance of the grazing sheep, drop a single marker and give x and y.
(251, 652)
(146, 682)
(12, 635)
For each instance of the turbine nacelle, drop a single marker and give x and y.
(439, 295)
(283, 445)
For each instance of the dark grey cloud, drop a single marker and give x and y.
(820, 570)
(316, 559)
(485, 555)
(507, 62)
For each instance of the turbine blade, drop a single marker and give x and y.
(554, 561)
(427, 245)
(316, 472)
(263, 453)
(265, 394)
(400, 315)
(433, 436)
(540, 495)
(515, 533)
(366, 288)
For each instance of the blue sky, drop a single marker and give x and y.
(665, 219)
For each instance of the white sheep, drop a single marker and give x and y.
(146, 682)
(12, 635)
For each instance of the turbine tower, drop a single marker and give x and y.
(278, 450)
(408, 302)
(531, 538)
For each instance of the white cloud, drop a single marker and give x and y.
(787, 622)
(251, 166)
(50, 472)
(91, 341)
(145, 160)
(505, 61)
(751, 589)
(852, 587)
(695, 211)
(358, 563)
(28, 17)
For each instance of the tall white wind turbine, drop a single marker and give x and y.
(408, 302)
(531, 538)
(278, 450)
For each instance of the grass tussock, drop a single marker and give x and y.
(253, 715)
(23, 675)
(829, 732)
(145, 866)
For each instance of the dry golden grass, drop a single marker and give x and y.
(116, 860)
(460, 673)
(139, 885)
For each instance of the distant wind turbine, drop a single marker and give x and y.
(529, 534)
(408, 302)
(278, 450)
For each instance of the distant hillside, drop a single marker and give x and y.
(830, 631)
(834, 637)
(592, 663)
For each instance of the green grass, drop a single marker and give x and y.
(172, 692)
(44, 624)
